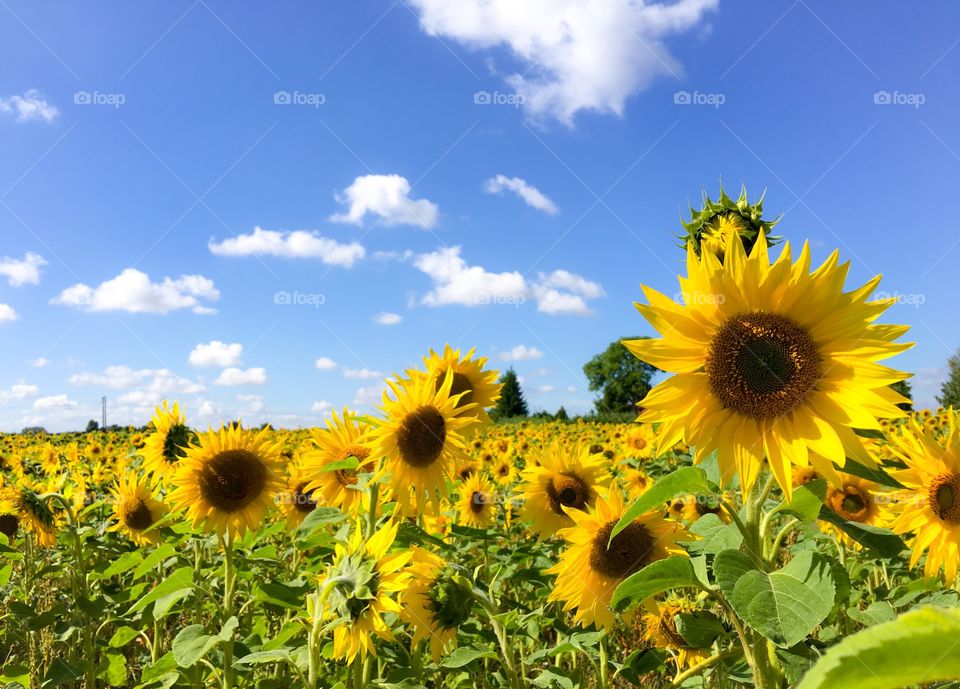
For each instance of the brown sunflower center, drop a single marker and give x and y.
(233, 479)
(421, 437)
(851, 502)
(479, 501)
(567, 490)
(348, 477)
(137, 516)
(460, 383)
(944, 495)
(629, 551)
(303, 499)
(9, 524)
(762, 365)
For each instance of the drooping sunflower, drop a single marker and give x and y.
(589, 571)
(422, 435)
(769, 360)
(477, 506)
(360, 587)
(227, 481)
(36, 517)
(660, 629)
(437, 601)
(479, 386)
(929, 505)
(344, 437)
(136, 509)
(167, 445)
(567, 477)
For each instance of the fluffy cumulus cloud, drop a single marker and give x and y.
(532, 196)
(145, 386)
(321, 407)
(325, 363)
(577, 55)
(22, 271)
(361, 373)
(387, 198)
(522, 353)
(387, 318)
(19, 391)
(31, 106)
(238, 376)
(457, 282)
(252, 404)
(297, 244)
(216, 354)
(40, 362)
(54, 403)
(7, 313)
(134, 292)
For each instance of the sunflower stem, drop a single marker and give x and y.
(372, 511)
(603, 661)
(229, 580)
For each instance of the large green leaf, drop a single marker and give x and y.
(807, 501)
(919, 647)
(882, 541)
(180, 579)
(191, 644)
(728, 567)
(683, 481)
(715, 536)
(786, 605)
(670, 573)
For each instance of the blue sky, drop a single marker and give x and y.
(500, 175)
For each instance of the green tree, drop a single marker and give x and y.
(561, 414)
(620, 377)
(905, 389)
(92, 426)
(511, 402)
(950, 390)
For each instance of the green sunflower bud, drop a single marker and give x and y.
(710, 227)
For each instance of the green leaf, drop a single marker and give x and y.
(876, 613)
(807, 501)
(277, 655)
(683, 481)
(553, 678)
(882, 541)
(714, 536)
(151, 561)
(728, 567)
(877, 475)
(123, 636)
(280, 594)
(348, 464)
(162, 607)
(464, 655)
(673, 572)
(919, 647)
(191, 644)
(5, 573)
(13, 675)
(59, 674)
(699, 628)
(115, 670)
(180, 579)
(123, 564)
(317, 518)
(786, 605)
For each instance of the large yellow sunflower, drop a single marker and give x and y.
(589, 571)
(769, 360)
(344, 437)
(359, 588)
(436, 602)
(167, 445)
(421, 436)
(929, 506)
(565, 476)
(136, 509)
(478, 386)
(228, 480)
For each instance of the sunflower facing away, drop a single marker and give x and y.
(360, 586)
(344, 437)
(36, 516)
(421, 437)
(228, 480)
(567, 477)
(436, 603)
(136, 509)
(167, 445)
(769, 360)
(478, 386)
(589, 571)
(929, 507)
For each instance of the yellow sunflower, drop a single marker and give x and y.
(477, 505)
(565, 477)
(344, 437)
(437, 601)
(421, 437)
(589, 571)
(660, 629)
(929, 505)
(359, 588)
(228, 480)
(297, 499)
(136, 509)
(504, 472)
(636, 482)
(9, 517)
(478, 386)
(167, 445)
(769, 360)
(36, 517)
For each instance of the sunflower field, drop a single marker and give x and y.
(773, 518)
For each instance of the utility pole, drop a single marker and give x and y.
(103, 402)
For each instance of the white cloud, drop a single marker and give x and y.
(297, 244)
(54, 402)
(368, 396)
(387, 318)
(132, 291)
(361, 373)
(321, 407)
(19, 391)
(30, 106)
(25, 271)
(254, 403)
(207, 409)
(546, 389)
(578, 55)
(521, 353)
(238, 376)
(40, 362)
(325, 364)
(456, 282)
(571, 388)
(7, 313)
(388, 198)
(216, 354)
(529, 193)
(146, 386)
